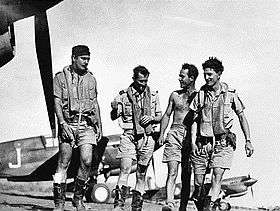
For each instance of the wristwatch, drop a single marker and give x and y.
(62, 123)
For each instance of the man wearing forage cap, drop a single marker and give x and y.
(79, 123)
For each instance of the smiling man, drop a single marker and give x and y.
(79, 123)
(178, 143)
(139, 110)
(214, 105)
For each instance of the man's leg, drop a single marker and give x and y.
(199, 192)
(122, 190)
(170, 182)
(83, 175)
(59, 185)
(137, 197)
(212, 201)
(216, 183)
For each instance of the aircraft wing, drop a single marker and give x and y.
(14, 10)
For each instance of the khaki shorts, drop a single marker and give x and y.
(173, 143)
(85, 135)
(222, 157)
(200, 162)
(138, 148)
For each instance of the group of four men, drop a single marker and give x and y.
(200, 131)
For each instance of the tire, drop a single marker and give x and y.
(225, 206)
(100, 193)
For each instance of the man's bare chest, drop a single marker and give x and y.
(181, 102)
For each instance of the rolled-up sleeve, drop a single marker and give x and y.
(237, 104)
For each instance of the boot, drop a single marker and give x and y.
(198, 197)
(217, 205)
(208, 204)
(59, 196)
(120, 196)
(79, 192)
(170, 206)
(211, 205)
(137, 201)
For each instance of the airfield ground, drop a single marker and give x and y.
(18, 196)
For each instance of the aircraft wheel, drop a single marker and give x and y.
(225, 206)
(100, 193)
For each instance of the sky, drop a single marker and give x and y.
(161, 35)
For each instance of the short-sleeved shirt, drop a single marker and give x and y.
(217, 109)
(77, 92)
(125, 107)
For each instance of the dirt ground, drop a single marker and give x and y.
(15, 196)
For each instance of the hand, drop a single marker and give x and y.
(161, 140)
(207, 149)
(99, 133)
(67, 132)
(195, 150)
(249, 149)
(114, 105)
(146, 119)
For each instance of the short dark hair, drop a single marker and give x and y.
(193, 71)
(140, 69)
(213, 63)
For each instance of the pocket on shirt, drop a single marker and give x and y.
(127, 109)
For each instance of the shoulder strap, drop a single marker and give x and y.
(201, 100)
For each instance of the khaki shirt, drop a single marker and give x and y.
(217, 109)
(77, 93)
(125, 107)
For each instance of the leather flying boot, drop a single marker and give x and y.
(198, 197)
(59, 196)
(120, 196)
(208, 204)
(137, 201)
(79, 192)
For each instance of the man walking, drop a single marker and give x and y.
(139, 110)
(79, 123)
(214, 105)
(177, 143)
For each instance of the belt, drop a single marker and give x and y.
(220, 137)
(204, 140)
(76, 118)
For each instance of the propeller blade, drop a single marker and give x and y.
(252, 192)
(43, 50)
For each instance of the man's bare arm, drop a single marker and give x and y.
(166, 117)
(193, 138)
(58, 110)
(246, 131)
(244, 125)
(99, 122)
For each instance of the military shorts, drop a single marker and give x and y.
(173, 143)
(139, 147)
(200, 161)
(222, 155)
(83, 135)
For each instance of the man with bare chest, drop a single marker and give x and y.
(177, 143)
